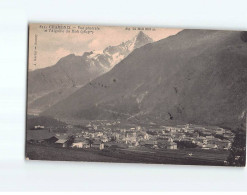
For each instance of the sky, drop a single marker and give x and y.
(50, 42)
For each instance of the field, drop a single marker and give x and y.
(135, 155)
(41, 152)
(182, 156)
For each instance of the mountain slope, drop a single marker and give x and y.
(196, 76)
(49, 85)
(112, 55)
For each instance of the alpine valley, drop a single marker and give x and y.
(195, 76)
(48, 86)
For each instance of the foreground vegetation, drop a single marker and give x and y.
(131, 155)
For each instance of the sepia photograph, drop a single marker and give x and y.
(123, 96)
(136, 95)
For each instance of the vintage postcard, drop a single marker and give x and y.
(136, 95)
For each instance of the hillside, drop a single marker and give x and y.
(50, 85)
(44, 121)
(196, 76)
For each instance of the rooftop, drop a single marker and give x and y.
(61, 141)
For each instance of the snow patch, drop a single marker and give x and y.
(95, 53)
(116, 58)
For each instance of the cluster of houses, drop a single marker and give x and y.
(200, 136)
(107, 135)
(66, 141)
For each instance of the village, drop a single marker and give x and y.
(101, 135)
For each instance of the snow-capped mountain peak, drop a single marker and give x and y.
(112, 55)
(59, 81)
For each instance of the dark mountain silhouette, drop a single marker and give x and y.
(196, 76)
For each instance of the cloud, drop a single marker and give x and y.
(53, 46)
(62, 52)
(95, 43)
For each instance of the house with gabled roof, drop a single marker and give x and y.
(62, 142)
(80, 143)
